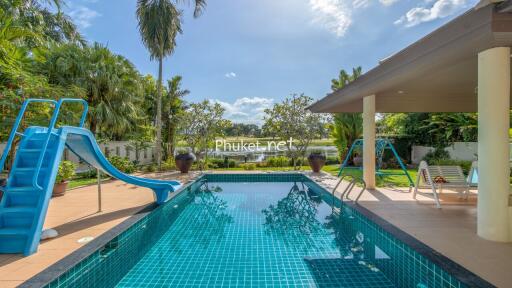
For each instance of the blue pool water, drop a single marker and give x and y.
(255, 235)
(260, 231)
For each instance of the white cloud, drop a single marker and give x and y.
(361, 3)
(388, 2)
(440, 9)
(247, 110)
(334, 15)
(230, 75)
(83, 16)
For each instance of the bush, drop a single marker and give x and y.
(222, 163)
(280, 161)
(123, 164)
(438, 154)
(261, 164)
(298, 162)
(92, 173)
(151, 168)
(248, 166)
(167, 165)
(66, 171)
(332, 160)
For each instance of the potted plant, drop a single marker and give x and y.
(184, 160)
(316, 161)
(66, 171)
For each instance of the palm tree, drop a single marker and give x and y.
(159, 24)
(347, 127)
(344, 78)
(108, 82)
(175, 107)
(44, 18)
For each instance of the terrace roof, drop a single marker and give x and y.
(438, 73)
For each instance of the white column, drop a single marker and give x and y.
(369, 141)
(493, 143)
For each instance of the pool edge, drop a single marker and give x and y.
(455, 269)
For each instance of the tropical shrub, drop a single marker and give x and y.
(279, 161)
(150, 168)
(123, 164)
(332, 160)
(438, 153)
(66, 171)
(222, 163)
(168, 164)
(248, 166)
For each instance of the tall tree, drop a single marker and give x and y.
(174, 108)
(290, 119)
(346, 127)
(200, 125)
(159, 24)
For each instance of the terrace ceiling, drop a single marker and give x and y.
(438, 73)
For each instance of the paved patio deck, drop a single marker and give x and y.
(76, 216)
(450, 230)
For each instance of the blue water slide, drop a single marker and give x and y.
(82, 142)
(29, 187)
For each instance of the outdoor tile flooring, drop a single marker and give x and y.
(451, 230)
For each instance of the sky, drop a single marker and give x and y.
(249, 54)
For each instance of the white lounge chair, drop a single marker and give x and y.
(439, 177)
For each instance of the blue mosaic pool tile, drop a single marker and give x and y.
(231, 231)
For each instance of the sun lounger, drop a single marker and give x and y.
(439, 177)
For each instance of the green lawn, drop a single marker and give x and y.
(83, 182)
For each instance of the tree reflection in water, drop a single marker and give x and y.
(294, 217)
(352, 243)
(209, 216)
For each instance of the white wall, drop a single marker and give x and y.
(118, 148)
(459, 151)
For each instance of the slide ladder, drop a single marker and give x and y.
(32, 176)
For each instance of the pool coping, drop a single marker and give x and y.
(456, 270)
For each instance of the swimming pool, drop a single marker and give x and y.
(261, 230)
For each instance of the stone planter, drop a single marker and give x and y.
(316, 161)
(59, 189)
(184, 161)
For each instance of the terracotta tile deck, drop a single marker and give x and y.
(451, 230)
(75, 216)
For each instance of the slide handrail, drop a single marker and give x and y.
(16, 125)
(53, 122)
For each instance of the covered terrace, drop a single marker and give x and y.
(464, 66)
